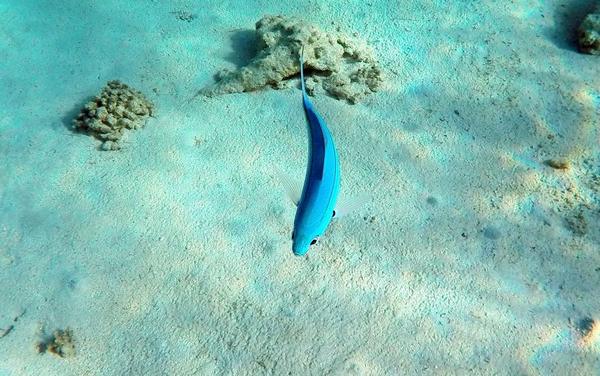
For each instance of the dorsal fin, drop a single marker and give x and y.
(318, 140)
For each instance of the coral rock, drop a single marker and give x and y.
(343, 66)
(118, 107)
(589, 33)
(60, 343)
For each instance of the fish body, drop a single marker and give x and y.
(321, 187)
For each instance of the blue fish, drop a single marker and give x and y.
(316, 206)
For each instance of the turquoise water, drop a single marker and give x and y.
(172, 255)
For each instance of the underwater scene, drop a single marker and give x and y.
(310, 187)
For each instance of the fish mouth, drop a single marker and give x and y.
(299, 252)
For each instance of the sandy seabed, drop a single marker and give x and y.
(172, 256)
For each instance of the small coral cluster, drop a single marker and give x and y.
(343, 66)
(60, 343)
(589, 330)
(589, 33)
(118, 107)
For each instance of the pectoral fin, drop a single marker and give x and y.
(293, 188)
(347, 205)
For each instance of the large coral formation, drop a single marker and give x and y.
(589, 33)
(344, 66)
(118, 107)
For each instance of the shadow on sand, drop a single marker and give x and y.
(243, 47)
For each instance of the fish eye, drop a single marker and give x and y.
(314, 241)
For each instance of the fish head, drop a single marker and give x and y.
(301, 242)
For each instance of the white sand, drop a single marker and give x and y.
(173, 257)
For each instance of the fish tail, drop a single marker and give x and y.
(302, 69)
